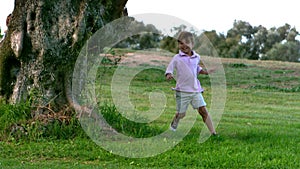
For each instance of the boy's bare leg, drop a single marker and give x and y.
(176, 119)
(207, 119)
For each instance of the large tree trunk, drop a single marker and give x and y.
(42, 44)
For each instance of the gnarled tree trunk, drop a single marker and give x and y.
(42, 44)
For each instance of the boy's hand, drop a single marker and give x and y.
(169, 76)
(207, 72)
(211, 70)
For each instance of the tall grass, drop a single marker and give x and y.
(17, 124)
(12, 114)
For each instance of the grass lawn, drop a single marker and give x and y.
(260, 126)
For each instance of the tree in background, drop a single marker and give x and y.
(258, 41)
(245, 41)
(169, 43)
(288, 51)
(281, 44)
(241, 41)
(292, 34)
(147, 40)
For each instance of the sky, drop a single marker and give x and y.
(219, 15)
(208, 15)
(6, 7)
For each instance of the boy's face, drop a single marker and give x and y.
(185, 46)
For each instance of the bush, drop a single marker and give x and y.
(12, 114)
(289, 51)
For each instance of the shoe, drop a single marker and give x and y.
(171, 128)
(174, 124)
(215, 135)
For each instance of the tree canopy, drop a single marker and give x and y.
(246, 41)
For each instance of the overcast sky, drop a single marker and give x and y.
(216, 15)
(6, 7)
(219, 15)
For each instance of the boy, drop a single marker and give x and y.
(188, 87)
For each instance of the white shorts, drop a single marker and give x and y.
(183, 99)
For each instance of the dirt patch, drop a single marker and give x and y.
(272, 65)
(145, 58)
(162, 58)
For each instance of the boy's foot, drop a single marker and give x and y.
(174, 124)
(171, 128)
(215, 135)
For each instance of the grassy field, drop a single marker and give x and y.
(260, 126)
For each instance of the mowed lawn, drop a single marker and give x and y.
(260, 126)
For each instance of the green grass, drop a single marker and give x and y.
(260, 127)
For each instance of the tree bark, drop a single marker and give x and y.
(42, 44)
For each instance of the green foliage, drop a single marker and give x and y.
(241, 41)
(1, 35)
(12, 114)
(59, 129)
(149, 38)
(170, 44)
(245, 41)
(148, 41)
(240, 28)
(238, 65)
(142, 41)
(215, 38)
(17, 123)
(288, 51)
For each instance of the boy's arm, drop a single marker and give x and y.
(205, 72)
(169, 71)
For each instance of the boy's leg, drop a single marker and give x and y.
(182, 101)
(207, 119)
(176, 119)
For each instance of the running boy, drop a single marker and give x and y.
(188, 87)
